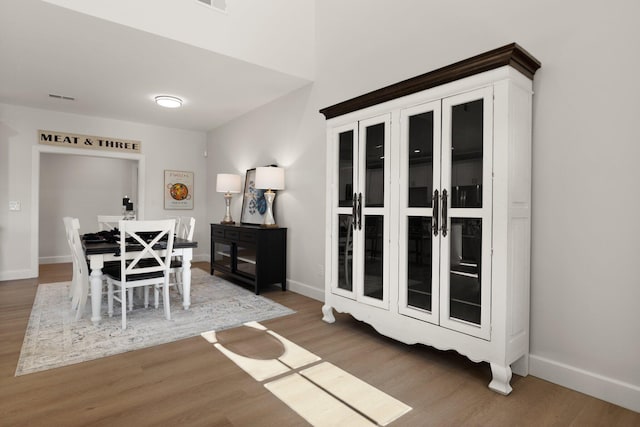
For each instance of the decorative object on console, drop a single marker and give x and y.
(254, 205)
(227, 183)
(269, 178)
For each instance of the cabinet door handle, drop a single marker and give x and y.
(436, 212)
(444, 213)
(359, 211)
(354, 218)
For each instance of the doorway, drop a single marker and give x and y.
(40, 153)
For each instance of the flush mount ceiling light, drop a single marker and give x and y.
(168, 101)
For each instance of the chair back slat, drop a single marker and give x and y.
(185, 227)
(78, 252)
(80, 282)
(160, 230)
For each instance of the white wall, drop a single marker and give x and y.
(82, 187)
(289, 133)
(586, 239)
(276, 34)
(163, 148)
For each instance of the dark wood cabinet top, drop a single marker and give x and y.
(511, 54)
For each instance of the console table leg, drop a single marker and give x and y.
(501, 379)
(327, 312)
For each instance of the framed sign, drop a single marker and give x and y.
(178, 189)
(254, 205)
(60, 139)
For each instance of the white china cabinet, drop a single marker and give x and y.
(428, 222)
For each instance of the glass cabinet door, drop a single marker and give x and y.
(246, 260)
(360, 211)
(419, 209)
(466, 198)
(372, 207)
(344, 199)
(222, 255)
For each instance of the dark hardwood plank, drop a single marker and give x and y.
(188, 382)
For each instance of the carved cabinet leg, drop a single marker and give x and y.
(501, 379)
(327, 312)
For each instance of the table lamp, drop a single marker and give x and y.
(269, 178)
(228, 183)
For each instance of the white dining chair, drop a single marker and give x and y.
(67, 229)
(80, 281)
(144, 267)
(185, 227)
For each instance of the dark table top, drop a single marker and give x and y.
(104, 247)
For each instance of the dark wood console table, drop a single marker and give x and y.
(251, 254)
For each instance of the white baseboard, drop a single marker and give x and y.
(201, 258)
(54, 259)
(605, 388)
(306, 290)
(18, 274)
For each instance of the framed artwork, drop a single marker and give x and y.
(178, 189)
(254, 205)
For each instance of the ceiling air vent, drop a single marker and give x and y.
(67, 98)
(219, 5)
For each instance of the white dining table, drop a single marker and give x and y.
(99, 253)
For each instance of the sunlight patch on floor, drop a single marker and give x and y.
(365, 398)
(314, 404)
(322, 394)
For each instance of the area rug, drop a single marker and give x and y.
(54, 339)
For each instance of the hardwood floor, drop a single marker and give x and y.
(190, 383)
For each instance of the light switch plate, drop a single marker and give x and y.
(14, 205)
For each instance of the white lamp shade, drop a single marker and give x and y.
(270, 178)
(228, 183)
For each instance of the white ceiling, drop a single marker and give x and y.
(115, 71)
